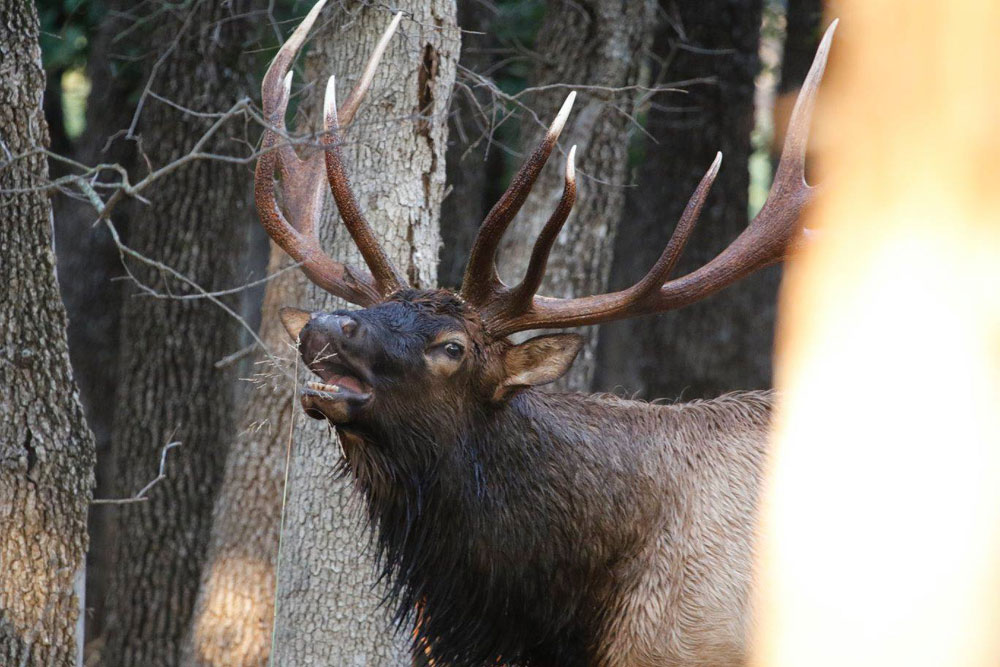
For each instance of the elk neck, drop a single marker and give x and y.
(528, 514)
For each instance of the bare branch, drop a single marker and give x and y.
(141, 495)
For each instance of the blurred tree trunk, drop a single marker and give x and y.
(46, 449)
(328, 609)
(88, 262)
(593, 43)
(473, 172)
(723, 343)
(169, 387)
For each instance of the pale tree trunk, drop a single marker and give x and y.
(328, 605)
(232, 621)
(46, 449)
(595, 43)
(170, 389)
(723, 343)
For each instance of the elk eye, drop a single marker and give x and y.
(453, 350)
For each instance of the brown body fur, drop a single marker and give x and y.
(688, 601)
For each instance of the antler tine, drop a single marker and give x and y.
(353, 101)
(297, 175)
(523, 293)
(273, 84)
(774, 229)
(481, 281)
(302, 180)
(387, 277)
(660, 271)
(764, 242)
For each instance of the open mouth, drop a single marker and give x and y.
(339, 397)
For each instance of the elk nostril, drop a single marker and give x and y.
(348, 325)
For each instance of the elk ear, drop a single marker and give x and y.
(294, 319)
(537, 361)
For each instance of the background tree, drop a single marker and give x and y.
(46, 450)
(398, 168)
(87, 258)
(395, 151)
(474, 168)
(724, 342)
(169, 386)
(802, 34)
(598, 47)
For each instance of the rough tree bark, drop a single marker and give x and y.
(46, 449)
(723, 343)
(169, 386)
(328, 609)
(595, 43)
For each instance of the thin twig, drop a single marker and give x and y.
(231, 359)
(141, 495)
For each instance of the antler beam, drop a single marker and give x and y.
(764, 242)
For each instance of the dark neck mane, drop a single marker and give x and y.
(493, 526)
(510, 537)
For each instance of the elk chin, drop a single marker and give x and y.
(339, 400)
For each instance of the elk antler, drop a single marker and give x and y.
(764, 242)
(302, 181)
(481, 280)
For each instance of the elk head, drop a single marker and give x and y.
(430, 358)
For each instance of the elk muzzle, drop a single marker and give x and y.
(333, 347)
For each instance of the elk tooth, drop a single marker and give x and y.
(329, 388)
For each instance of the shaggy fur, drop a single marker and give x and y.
(551, 529)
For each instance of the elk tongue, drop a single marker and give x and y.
(347, 382)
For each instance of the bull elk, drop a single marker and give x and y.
(529, 528)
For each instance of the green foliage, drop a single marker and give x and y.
(66, 29)
(516, 27)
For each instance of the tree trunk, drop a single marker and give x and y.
(802, 35)
(593, 43)
(169, 387)
(46, 450)
(803, 20)
(474, 173)
(233, 617)
(88, 264)
(723, 343)
(328, 609)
